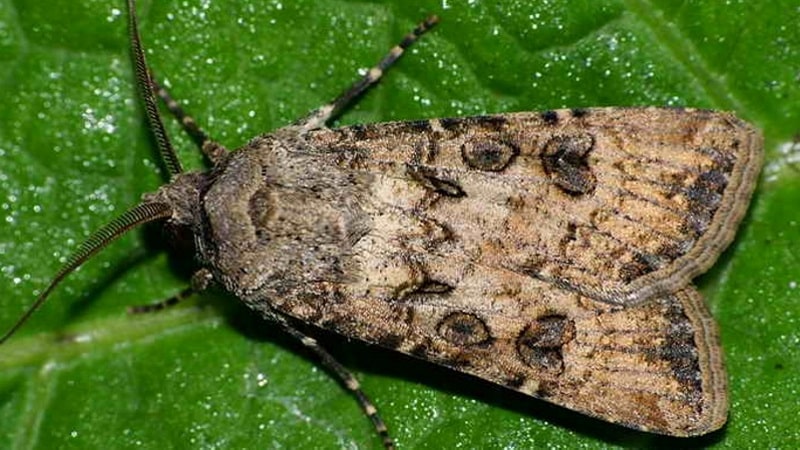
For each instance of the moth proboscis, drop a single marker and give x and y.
(548, 252)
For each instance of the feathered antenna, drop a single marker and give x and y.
(139, 215)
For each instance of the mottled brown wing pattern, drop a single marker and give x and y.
(656, 366)
(519, 248)
(617, 204)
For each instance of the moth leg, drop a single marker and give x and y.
(319, 117)
(163, 304)
(199, 283)
(212, 149)
(347, 379)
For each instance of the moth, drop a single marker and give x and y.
(548, 252)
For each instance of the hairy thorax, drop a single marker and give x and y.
(273, 220)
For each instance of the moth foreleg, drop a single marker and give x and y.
(200, 282)
(319, 117)
(212, 149)
(347, 379)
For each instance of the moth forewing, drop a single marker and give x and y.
(619, 204)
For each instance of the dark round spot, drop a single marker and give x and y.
(492, 156)
(549, 117)
(565, 159)
(540, 343)
(463, 329)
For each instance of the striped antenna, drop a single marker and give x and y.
(145, 82)
(139, 215)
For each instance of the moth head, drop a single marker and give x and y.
(182, 194)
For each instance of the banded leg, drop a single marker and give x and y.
(164, 304)
(319, 117)
(212, 150)
(347, 379)
(200, 282)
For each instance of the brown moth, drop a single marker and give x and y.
(551, 253)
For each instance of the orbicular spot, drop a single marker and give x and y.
(540, 343)
(489, 155)
(463, 329)
(515, 202)
(533, 266)
(565, 159)
(436, 232)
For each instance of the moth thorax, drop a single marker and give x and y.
(278, 220)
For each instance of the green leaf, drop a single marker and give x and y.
(75, 152)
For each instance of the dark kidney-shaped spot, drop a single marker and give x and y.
(540, 343)
(565, 159)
